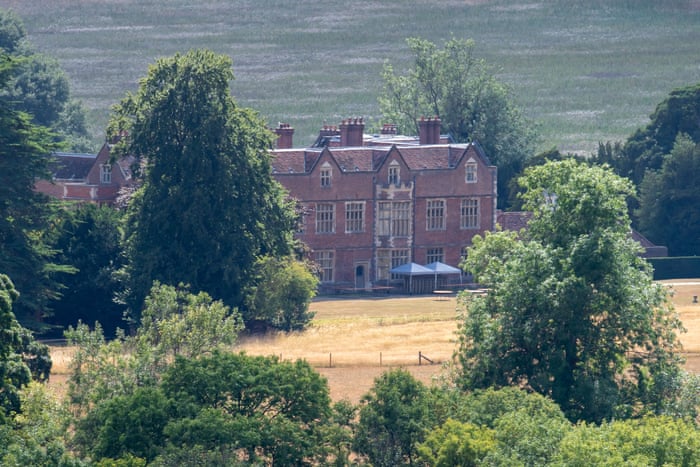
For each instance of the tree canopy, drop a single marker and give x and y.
(646, 149)
(453, 84)
(208, 206)
(40, 87)
(89, 240)
(26, 216)
(572, 311)
(21, 357)
(668, 211)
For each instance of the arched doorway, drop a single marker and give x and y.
(360, 276)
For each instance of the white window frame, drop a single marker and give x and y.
(435, 214)
(326, 265)
(388, 259)
(326, 175)
(469, 213)
(106, 173)
(394, 177)
(435, 254)
(394, 218)
(470, 171)
(354, 216)
(325, 218)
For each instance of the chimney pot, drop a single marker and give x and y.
(285, 135)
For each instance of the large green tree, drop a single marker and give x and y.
(26, 216)
(646, 149)
(40, 87)
(572, 311)
(89, 240)
(669, 200)
(462, 90)
(393, 419)
(21, 357)
(208, 206)
(220, 409)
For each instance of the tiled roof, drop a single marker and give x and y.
(426, 157)
(289, 161)
(355, 159)
(72, 166)
(368, 158)
(513, 221)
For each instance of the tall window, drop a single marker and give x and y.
(394, 218)
(434, 255)
(435, 214)
(388, 259)
(326, 174)
(325, 260)
(469, 213)
(325, 218)
(354, 217)
(106, 173)
(470, 171)
(394, 173)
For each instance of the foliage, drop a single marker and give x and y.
(581, 88)
(524, 428)
(174, 323)
(129, 424)
(89, 241)
(282, 293)
(462, 90)
(207, 185)
(457, 443)
(21, 357)
(40, 87)
(268, 408)
(572, 312)
(212, 410)
(649, 441)
(669, 198)
(36, 436)
(647, 148)
(12, 31)
(393, 417)
(26, 254)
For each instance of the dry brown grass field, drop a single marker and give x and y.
(353, 340)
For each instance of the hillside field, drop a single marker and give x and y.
(353, 340)
(583, 71)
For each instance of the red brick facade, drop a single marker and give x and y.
(372, 203)
(87, 177)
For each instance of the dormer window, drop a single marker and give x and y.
(394, 174)
(326, 174)
(106, 173)
(470, 171)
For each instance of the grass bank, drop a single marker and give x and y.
(585, 71)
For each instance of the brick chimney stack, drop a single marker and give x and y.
(429, 129)
(285, 136)
(351, 132)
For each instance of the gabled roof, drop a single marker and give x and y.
(371, 158)
(71, 166)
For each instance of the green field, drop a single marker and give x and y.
(585, 71)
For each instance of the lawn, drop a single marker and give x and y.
(584, 71)
(353, 340)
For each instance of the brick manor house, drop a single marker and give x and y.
(92, 178)
(374, 202)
